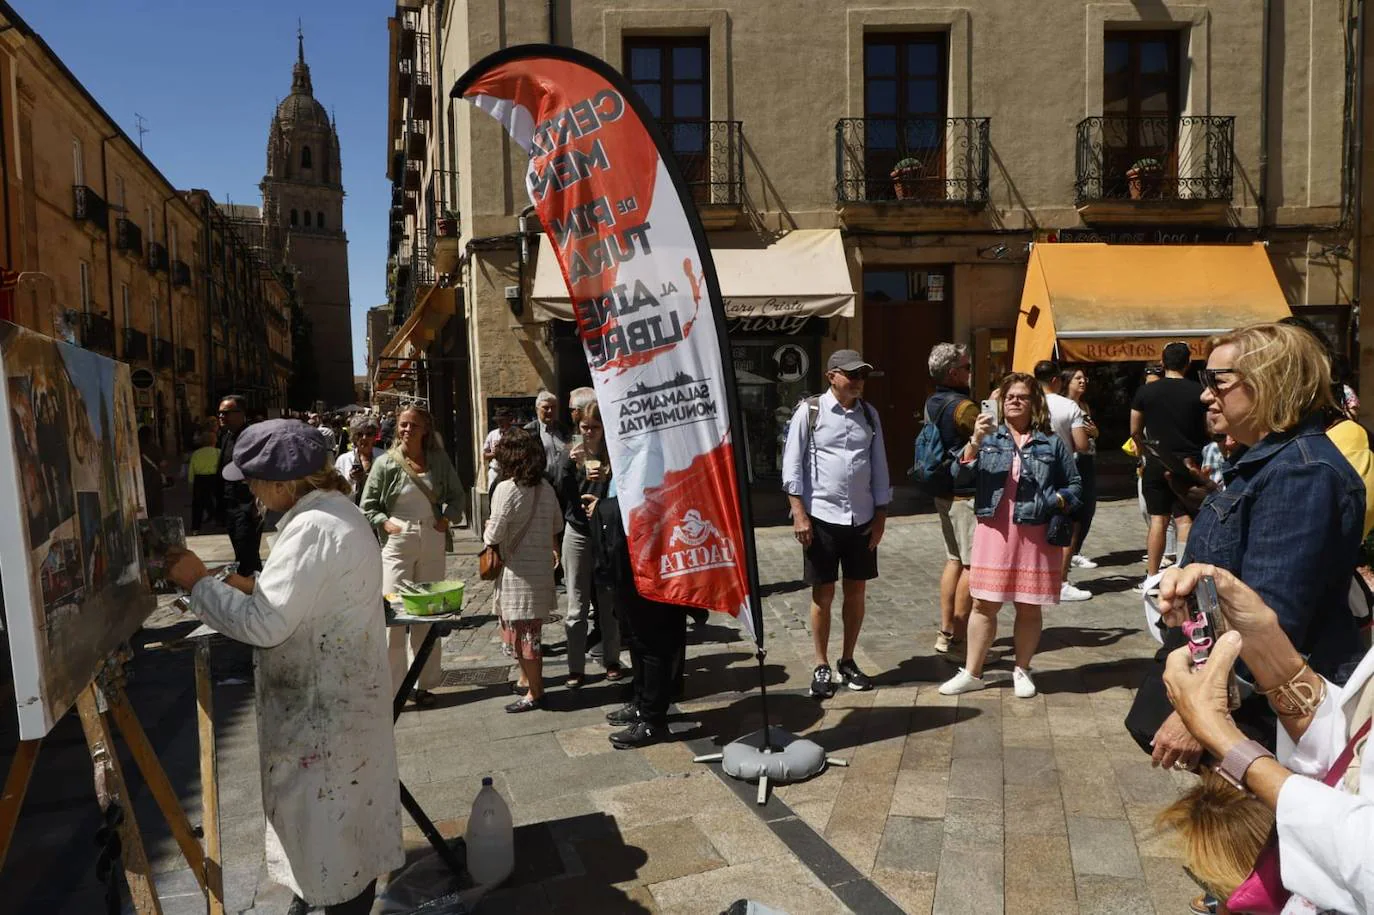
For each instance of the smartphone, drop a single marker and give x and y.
(1170, 461)
(1205, 625)
(994, 409)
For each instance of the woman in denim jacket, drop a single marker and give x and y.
(1024, 475)
(1289, 521)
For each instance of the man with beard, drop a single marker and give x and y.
(236, 500)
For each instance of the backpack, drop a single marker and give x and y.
(931, 470)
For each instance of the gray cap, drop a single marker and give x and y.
(277, 450)
(847, 360)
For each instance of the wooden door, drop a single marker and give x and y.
(905, 313)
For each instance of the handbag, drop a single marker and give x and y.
(1060, 532)
(1262, 893)
(489, 562)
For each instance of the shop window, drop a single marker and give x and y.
(672, 76)
(906, 88)
(1141, 88)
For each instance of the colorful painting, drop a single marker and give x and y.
(71, 498)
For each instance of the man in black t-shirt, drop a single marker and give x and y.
(1170, 415)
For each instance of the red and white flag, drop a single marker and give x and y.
(649, 313)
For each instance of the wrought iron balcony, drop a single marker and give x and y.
(1155, 158)
(186, 359)
(711, 157)
(416, 140)
(922, 160)
(157, 257)
(128, 237)
(164, 356)
(181, 273)
(135, 344)
(88, 206)
(97, 333)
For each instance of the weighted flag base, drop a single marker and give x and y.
(780, 758)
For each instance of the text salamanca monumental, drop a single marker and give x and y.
(676, 381)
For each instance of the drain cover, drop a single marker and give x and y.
(477, 676)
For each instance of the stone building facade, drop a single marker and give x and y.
(302, 196)
(798, 117)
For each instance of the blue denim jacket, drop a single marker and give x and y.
(1047, 470)
(1288, 524)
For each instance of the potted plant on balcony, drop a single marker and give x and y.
(1144, 177)
(446, 226)
(906, 176)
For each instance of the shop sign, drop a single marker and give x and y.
(1146, 235)
(786, 326)
(1125, 349)
(142, 379)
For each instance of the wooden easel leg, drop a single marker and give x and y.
(156, 779)
(16, 785)
(209, 780)
(110, 788)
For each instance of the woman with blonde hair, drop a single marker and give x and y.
(411, 497)
(1024, 476)
(325, 739)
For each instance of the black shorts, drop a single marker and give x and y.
(836, 546)
(1160, 498)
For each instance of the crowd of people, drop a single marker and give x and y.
(1257, 466)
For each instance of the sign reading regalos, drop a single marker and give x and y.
(648, 310)
(1125, 349)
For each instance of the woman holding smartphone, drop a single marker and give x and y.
(585, 477)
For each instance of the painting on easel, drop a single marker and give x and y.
(70, 500)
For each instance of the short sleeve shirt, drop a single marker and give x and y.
(1174, 415)
(1065, 416)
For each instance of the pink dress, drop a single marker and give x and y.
(1014, 561)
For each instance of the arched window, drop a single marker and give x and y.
(305, 157)
(295, 217)
(307, 219)
(319, 220)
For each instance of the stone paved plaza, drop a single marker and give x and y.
(976, 804)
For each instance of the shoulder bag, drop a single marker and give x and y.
(428, 493)
(489, 562)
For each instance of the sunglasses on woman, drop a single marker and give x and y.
(1211, 378)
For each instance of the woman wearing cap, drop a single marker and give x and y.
(411, 496)
(327, 750)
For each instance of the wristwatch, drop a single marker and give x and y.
(1238, 761)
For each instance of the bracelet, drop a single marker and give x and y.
(1296, 698)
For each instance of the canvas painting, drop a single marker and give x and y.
(70, 502)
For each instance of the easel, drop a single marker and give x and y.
(102, 700)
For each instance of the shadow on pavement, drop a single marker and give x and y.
(783, 587)
(1094, 678)
(1121, 557)
(1114, 584)
(1077, 637)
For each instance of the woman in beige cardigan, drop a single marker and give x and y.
(525, 525)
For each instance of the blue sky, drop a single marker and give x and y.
(206, 77)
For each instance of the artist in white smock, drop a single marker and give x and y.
(327, 749)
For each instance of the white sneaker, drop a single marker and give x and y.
(1080, 561)
(1067, 592)
(962, 682)
(1022, 684)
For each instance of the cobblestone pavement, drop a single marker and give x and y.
(982, 803)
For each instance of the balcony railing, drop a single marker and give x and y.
(922, 160)
(164, 356)
(157, 257)
(181, 273)
(1155, 158)
(135, 344)
(186, 359)
(97, 333)
(128, 237)
(711, 157)
(88, 206)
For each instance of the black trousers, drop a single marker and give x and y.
(657, 636)
(1087, 472)
(245, 534)
(204, 499)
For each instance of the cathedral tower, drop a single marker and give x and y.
(302, 208)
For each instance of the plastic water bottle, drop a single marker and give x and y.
(490, 838)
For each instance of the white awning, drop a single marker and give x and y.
(802, 274)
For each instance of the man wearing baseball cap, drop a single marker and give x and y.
(836, 478)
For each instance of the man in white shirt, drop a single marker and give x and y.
(836, 478)
(1071, 425)
(505, 418)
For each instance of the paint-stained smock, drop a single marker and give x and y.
(328, 752)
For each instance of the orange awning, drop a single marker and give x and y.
(1124, 303)
(432, 309)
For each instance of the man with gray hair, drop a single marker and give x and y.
(577, 400)
(550, 432)
(952, 410)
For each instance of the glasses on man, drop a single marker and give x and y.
(1211, 378)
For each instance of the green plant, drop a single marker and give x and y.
(1147, 165)
(908, 165)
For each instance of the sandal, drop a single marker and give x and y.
(573, 681)
(614, 672)
(423, 698)
(525, 704)
(519, 688)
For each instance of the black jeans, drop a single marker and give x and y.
(204, 496)
(1087, 472)
(360, 904)
(657, 635)
(245, 534)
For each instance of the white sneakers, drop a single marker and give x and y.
(965, 682)
(1080, 561)
(962, 682)
(1067, 592)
